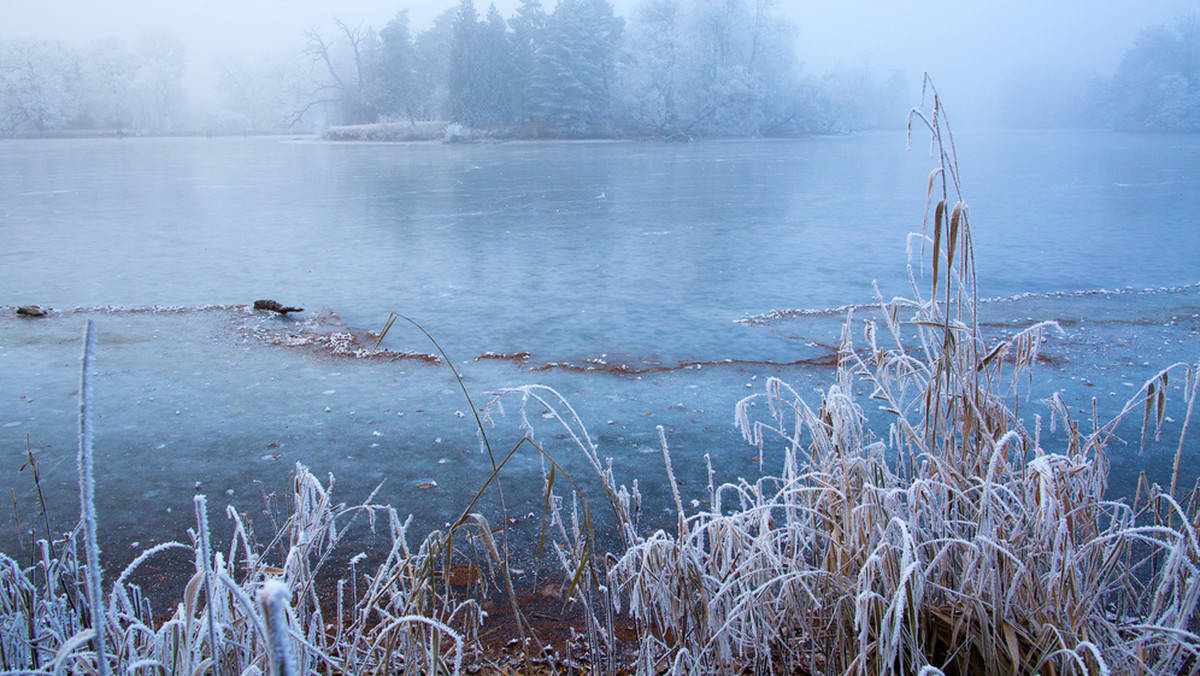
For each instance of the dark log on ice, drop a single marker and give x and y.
(275, 306)
(31, 311)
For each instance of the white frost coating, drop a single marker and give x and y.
(1093, 650)
(778, 315)
(68, 647)
(443, 628)
(141, 558)
(273, 600)
(680, 514)
(242, 599)
(87, 496)
(206, 563)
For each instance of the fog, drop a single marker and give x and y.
(973, 50)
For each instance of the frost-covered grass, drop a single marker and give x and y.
(959, 538)
(387, 131)
(394, 622)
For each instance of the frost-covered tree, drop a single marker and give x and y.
(575, 68)
(496, 77)
(652, 68)
(481, 75)
(47, 86)
(39, 85)
(842, 101)
(723, 84)
(107, 69)
(396, 71)
(464, 84)
(1158, 84)
(261, 95)
(528, 29)
(246, 100)
(774, 63)
(708, 67)
(159, 103)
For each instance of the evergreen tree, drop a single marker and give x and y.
(464, 85)
(396, 70)
(495, 71)
(481, 78)
(528, 27)
(433, 49)
(463, 82)
(574, 69)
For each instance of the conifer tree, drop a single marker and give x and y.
(464, 85)
(495, 71)
(574, 69)
(527, 36)
(396, 70)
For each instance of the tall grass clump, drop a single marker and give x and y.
(955, 539)
(296, 604)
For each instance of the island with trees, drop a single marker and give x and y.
(671, 69)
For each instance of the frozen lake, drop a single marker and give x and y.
(591, 255)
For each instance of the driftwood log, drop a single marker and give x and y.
(275, 306)
(31, 311)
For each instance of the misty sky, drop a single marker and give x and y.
(969, 47)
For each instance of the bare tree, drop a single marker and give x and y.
(343, 82)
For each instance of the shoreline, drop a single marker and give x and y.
(64, 134)
(404, 132)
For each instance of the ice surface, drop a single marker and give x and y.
(628, 305)
(189, 402)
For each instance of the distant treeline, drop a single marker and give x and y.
(674, 68)
(1156, 88)
(47, 86)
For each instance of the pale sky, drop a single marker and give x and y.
(969, 47)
